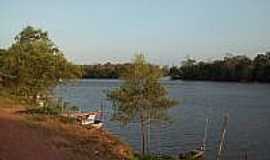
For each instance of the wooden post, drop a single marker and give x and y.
(205, 135)
(221, 144)
(246, 155)
(148, 135)
(142, 135)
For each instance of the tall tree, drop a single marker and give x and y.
(261, 65)
(37, 64)
(141, 97)
(2, 52)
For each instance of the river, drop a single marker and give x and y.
(248, 106)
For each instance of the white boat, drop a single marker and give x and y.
(90, 119)
(86, 118)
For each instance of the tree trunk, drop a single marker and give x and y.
(142, 135)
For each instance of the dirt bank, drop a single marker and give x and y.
(19, 141)
(28, 137)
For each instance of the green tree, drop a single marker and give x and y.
(189, 69)
(141, 97)
(261, 65)
(37, 64)
(2, 52)
(175, 72)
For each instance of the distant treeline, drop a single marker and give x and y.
(231, 68)
(108, 70)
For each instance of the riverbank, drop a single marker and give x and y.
(30, 137)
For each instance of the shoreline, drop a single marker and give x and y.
(187, 80)
(52, 137)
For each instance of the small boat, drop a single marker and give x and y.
(86, 118)
(199, 153)
(196, 154)
(91, 120)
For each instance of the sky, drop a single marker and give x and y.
(166, 31)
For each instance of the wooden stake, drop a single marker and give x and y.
(221, 144)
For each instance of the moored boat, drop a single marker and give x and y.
(199, 153)
(86, 118)
(90, 119)
(196, 154)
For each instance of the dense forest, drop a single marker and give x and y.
(110, 71)
(232, 68)
(106, 71)
(238, 68)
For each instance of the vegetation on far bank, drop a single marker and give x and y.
(238, 68)
(232, 68)
(110, 70)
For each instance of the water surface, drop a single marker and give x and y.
(248, 105)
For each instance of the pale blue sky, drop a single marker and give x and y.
(97, 31)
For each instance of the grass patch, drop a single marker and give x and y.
(153, 157)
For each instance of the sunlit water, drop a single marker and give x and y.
(248, 105)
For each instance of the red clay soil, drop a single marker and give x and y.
(18, 141)
(22, 137)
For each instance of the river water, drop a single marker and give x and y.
(248, 106)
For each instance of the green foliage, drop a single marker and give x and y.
(262, 67)
(141, 92)
(111, 71)
(49, 110)
(2, 53)
(232, 68)
(153, 157)
(106, 71)
(36, 63)
(141, 96)
(52, 108)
